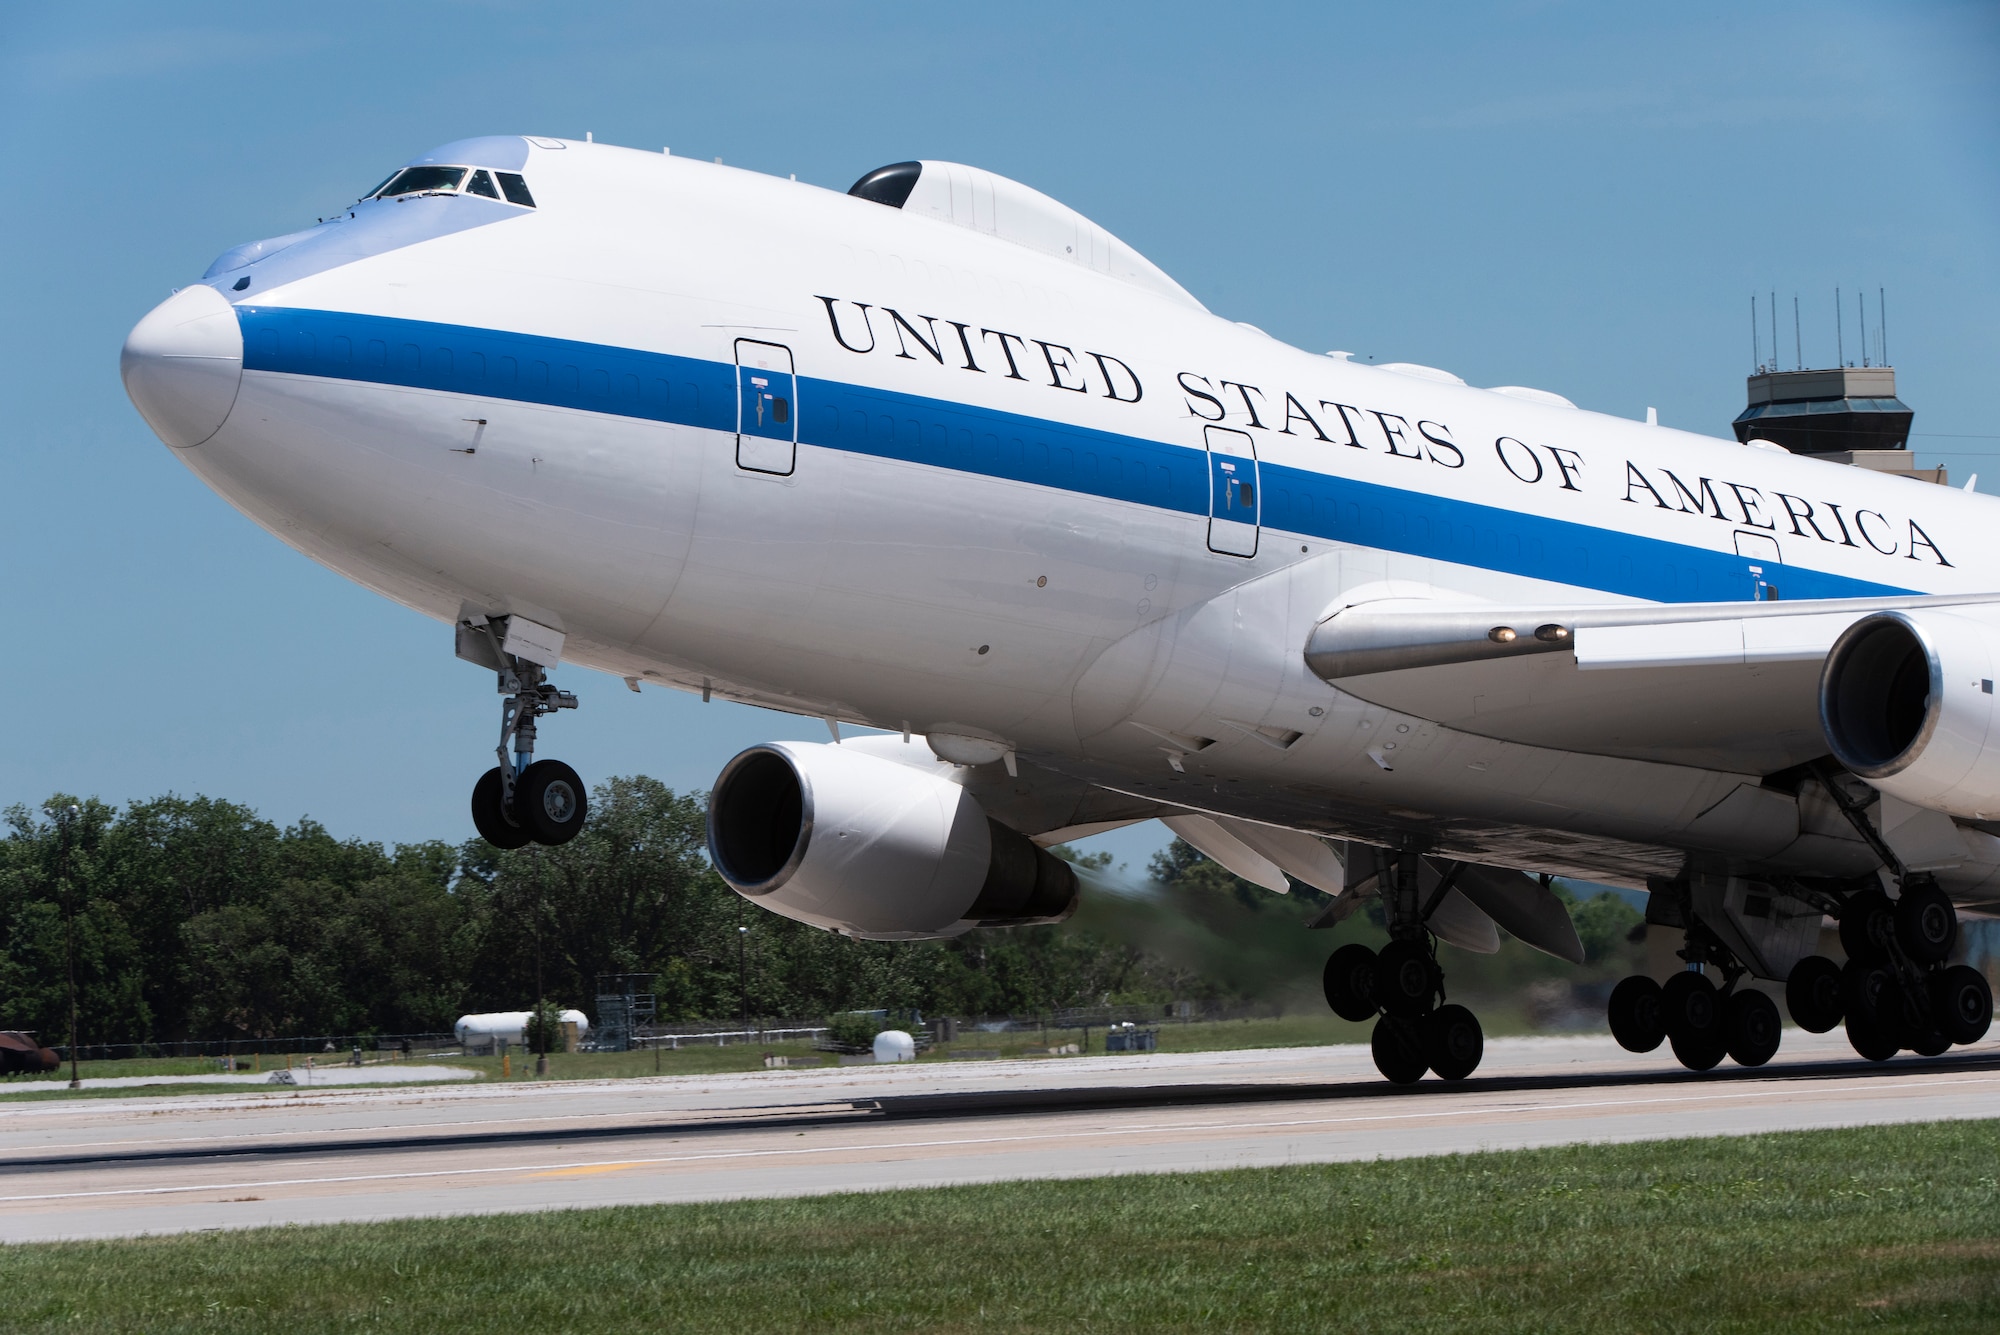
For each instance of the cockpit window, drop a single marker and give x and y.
(415, 180)
(448, 180)
(516, 188)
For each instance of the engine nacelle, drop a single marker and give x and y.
(1906, 700)
(841, 839)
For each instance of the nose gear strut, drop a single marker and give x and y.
(523, 800)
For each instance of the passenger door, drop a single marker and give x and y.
(767, 417)
(1233, 499)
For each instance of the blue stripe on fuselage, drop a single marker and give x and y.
(689, 391)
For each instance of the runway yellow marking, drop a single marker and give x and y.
(532, 1170)
(591, 1169)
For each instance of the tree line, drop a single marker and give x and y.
(196, 918)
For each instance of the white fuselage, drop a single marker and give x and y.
(995, 520)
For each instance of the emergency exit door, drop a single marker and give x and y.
(767, 417)
(1233, 499)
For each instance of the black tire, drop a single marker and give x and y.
(488, 817)
(550, 800)
(1699, 1052)
(1690, 1005)
(1453, 1042)
(1866, 922)
(1692, 1009)
(1962, 1002)
(1926, 922)
(1398, 1052)
(1928, 1043)
(1751, 1027)
(1870, 996)
(1637, 1021)
(1406, 979)
(1875, 1042)
(1349, 980)
(1812, 994)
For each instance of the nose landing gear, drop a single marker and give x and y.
(1402, 987)
(523, 800)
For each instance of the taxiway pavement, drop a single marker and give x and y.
(120, 1167)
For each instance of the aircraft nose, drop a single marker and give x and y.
(182, 365)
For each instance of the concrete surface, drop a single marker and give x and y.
(118, 1167)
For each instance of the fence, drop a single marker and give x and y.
(680, 1035)
(308, 1045)
(674, 1037)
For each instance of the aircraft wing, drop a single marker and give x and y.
(1731, 686)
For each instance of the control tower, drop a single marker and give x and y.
(1846, 415)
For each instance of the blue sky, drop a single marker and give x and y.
(1577, 197)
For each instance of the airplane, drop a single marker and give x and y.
(941, 458)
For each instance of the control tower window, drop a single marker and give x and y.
(481, 184)
(418, 180)
(516, 189)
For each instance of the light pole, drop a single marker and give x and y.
(742, 973)
(64, 818)
(541, 994)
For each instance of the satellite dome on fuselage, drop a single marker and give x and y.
(984, 201)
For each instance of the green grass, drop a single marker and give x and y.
(1878, 1228)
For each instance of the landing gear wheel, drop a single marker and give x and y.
(1812, 994)
(1868, 992)
(1637, 1021)
(1962, 1002)
(1693, 1013)
(1349, 981)
(1453, 1042)
(1406, 979)
(1873, 1041)
(1751, 1028)
(1926, 922)
(550, 800)
(1866, 923)
(1398, 1052)
(1929, 1043)
(490, 819)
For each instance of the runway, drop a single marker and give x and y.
(120, 1167)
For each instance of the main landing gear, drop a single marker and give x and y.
(1402, 986)
(522, 800)
(1895, 992)
(1703, 1023)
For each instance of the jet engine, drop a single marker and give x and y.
(1906, 700)
(840, 839)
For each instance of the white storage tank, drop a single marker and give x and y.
(893, 1045)
(483, 1031)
